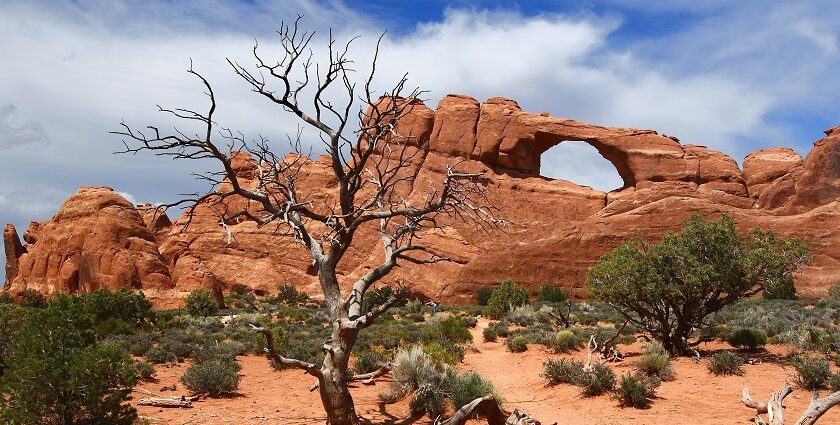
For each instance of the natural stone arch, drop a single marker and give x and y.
(544, 141)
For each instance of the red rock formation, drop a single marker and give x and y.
(96, 240)
(13, 248)
(557, 228)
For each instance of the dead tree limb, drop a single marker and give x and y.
(179, 402)
(775, 410)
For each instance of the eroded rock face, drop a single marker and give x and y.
(13, 249)
(556, 231)
(96, 240)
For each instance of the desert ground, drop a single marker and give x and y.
(267, 396)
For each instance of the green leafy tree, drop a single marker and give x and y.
(552, 294)
(33, 299)
(60, 375)
(504, 297)
(11, 319)
(670, 288)
(201, 303)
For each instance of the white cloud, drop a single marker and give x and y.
(73, 70)
(129, 197)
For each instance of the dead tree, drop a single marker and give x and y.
(775, 411)
(368, 166)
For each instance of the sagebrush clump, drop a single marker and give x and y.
(726, 363)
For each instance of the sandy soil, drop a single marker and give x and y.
(695, 396)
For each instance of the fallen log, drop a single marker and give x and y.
(775, 410)
(173, 401)
(488, 408)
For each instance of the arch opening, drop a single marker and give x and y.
(580, 163)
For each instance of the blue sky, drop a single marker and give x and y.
(734, 76)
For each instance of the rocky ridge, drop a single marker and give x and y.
(557, 228)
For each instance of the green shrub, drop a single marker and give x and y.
(470, 321)
(551, 294)
(201, 303)
(812, 373)
(780, 289)
(489, 334)
(496, 329)
(565, 341)
(834, 291)
(145, 371)
(600, 380)
(429, 399)
(445, 352)
(747, 338)
(563, 371)
(122, 304)
(469, 386)
(450, 328)
(503, 298)
(655, 362)
(139, 345)
(5, 298)
(517, 344)
(33, 299)
(635, 392)
(218, 351)
(11, 320)
(289, 295)
(369, 361)
(212, 377)
(726, 363)
(482, 296)
(834, 382)
(61, 374)
(158, 355)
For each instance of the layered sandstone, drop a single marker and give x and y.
(556, 231)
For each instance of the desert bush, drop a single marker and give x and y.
(411, 369)
(145, 370)
(517, 344)
(158, 355)
(450, 328)
(726, 363)
(482, 296)
(707, 266)
(33, 299)
(289, 295)
(470, 321)
(179, 348)
(747, 338)
(598, 381)
(61, 374)
(636, 392)
(565, 341)
(466, 387)
(563, 371)
(221, 351)
(201, 303)
(5, 298)
(445, 352)
(499, 328)
(213, 377)
(812, 373)
(489, 334)
(369, 361)
(129, 307)
(551, 294)
(655, 362)
(504, 298)
(834, 291)
(139, 345)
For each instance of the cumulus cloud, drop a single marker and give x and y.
(15, 132)
(726, 78)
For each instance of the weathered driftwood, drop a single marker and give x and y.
(488, 408)
(181, 402)
(775, 410)
(366, 378)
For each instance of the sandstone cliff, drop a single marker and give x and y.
(557, 228)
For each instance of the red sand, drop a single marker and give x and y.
(695, 396)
